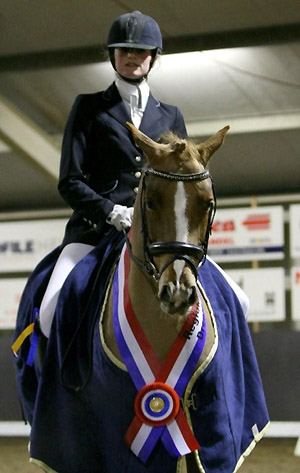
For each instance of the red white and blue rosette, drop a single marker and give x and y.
(156, 404)
(160, 387)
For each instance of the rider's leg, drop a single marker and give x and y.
(69, 257)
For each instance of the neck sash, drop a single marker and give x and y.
(158, 414)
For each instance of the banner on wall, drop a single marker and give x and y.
(295, 292)
(247, 234)
(10, 295)
(265, 288)
(24, 244)
(295, 231)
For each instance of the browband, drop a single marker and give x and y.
(173, 176)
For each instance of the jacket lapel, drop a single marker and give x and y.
(115, 106)
(151, 117)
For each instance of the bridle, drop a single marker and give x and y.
(178, 249)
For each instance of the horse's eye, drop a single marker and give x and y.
(150, 204)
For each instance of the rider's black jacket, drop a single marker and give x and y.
(100, 164)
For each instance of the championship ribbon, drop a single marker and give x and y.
(158, 414)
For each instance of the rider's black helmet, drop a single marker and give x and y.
(135, 30)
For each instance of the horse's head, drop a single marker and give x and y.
(175, 207)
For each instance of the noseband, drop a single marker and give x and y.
(179, 250)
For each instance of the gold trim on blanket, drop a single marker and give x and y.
(108, 352)
(252, 445)
(42, 465)
(200, 370)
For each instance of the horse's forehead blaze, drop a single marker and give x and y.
(180, 204)
(169, 194)
(181, 220)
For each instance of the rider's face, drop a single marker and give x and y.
(132, 63)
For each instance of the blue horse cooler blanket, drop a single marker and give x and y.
(81, 403)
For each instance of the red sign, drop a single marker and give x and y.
(257, 222)
(225, 226)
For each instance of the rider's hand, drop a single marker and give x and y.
(120, 217)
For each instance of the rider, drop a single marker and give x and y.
(100, 163)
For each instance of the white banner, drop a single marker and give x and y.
(295, 231)
(10, 295)
(266, 291)
(24, 244)
(247, 234)
(295, 291)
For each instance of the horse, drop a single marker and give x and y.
(174, 384)
(178, 205)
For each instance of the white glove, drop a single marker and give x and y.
(120, 217)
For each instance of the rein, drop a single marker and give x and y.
(179, 250)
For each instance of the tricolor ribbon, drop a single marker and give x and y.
(159, 386)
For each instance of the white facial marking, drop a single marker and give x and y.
(181, 223)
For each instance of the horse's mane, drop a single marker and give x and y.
(168, 138)
(188, 160)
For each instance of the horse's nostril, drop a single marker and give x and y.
(192, 295)
(165, 294)
(184, 297)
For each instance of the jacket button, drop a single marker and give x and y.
(135, 190)
(138, 159)
(137, 174)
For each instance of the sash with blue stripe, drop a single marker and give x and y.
(158, 414)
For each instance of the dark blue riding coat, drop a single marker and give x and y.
(83, 403)
(100, 164)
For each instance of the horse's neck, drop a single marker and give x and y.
(159, 329)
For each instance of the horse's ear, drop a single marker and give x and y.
(208, 147)
(152, 149)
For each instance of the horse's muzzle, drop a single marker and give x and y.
(177, 301)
